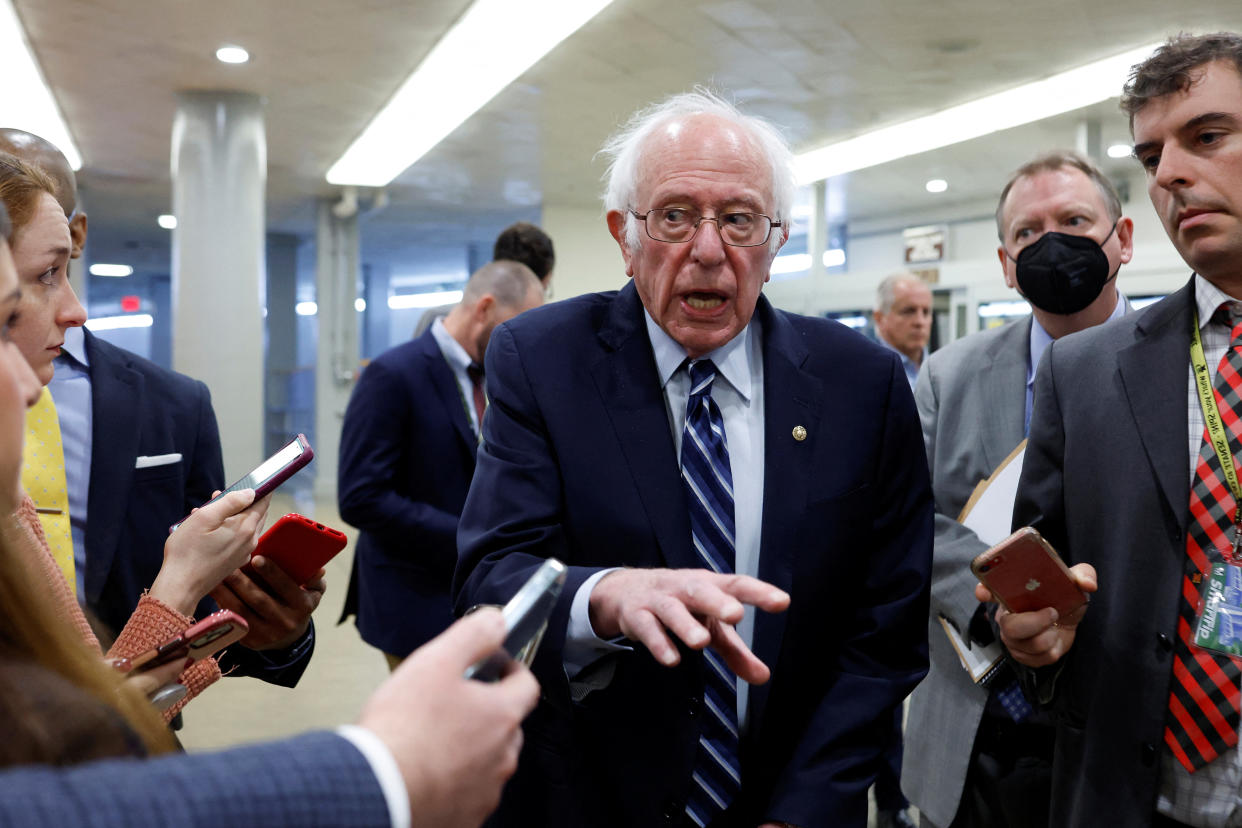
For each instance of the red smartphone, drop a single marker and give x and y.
(200, 640)
(271, 472)
(300, 546)
(1025, 574)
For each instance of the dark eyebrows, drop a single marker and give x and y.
(1194, 123)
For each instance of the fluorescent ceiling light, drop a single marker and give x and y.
(111, 270)
(1014, 308)
(232, 54)
(1120, 151)
(167, 221)
(854, 322)
(360, 304)
(936, 185)
(28, 101)
(798, 262)
(112, 323)
(490, 46)
(435, 299)
(306, 308)
(1024, 104)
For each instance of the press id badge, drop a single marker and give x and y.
(1219, 626)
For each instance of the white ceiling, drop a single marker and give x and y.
(821, 69)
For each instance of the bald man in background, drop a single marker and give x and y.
(142, 449)
(408, 448)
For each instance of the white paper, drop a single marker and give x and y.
(991, 517)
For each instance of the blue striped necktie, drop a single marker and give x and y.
(709, 490)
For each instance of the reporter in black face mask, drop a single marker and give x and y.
(1063, 273)
(1062, 241)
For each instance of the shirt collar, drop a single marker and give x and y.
(1208, 297)
(905, 360)
(1041, 339)
(450, 347)
(732, 359)
(75, 346)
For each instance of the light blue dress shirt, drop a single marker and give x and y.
(738, 392)
(71, 391)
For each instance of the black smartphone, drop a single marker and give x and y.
(271, 472)
(526, 617)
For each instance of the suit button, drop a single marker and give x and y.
(1166, 643)
(1148, 754)
(672, 814)
(692, 706)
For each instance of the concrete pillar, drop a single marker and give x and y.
(282, 338)
(817, 230)
(377, 317)
(1088, 139)
(336, 364)
(219, 172)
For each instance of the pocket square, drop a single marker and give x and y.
(145, 461)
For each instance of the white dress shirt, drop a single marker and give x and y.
(738, 392)
(458, 361)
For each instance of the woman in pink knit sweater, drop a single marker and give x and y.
(213, 542)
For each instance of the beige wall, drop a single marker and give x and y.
(587, 258)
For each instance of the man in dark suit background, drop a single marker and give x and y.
(1119, 476)
(141, 450)
(407, 455)
(802, 480)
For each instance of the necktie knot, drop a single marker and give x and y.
(475, 371)
(702, 375)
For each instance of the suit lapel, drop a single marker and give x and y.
(635, 404)
(792, 397)
(1003, 420)
(448, 391)
(1154, 376)
(116, 404)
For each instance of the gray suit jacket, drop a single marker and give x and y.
(971, 398)
(1107, 481)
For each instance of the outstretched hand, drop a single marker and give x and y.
(698, 606)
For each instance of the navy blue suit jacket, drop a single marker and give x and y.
(141, 409)
(578, 463)
(406, 459)
(318, 779)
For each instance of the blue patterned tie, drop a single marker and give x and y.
(709, 490)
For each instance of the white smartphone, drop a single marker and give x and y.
(526, 617)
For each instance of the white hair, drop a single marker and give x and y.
(624, 151)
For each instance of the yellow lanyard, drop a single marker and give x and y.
(1211, 417)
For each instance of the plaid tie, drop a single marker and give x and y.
(709, 488)
(1203, 707)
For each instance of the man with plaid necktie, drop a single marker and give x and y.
(1125, 477)
(741, 496)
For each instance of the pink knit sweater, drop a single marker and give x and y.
(152, 623)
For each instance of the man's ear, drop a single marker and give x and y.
(483, 308)
(77, 233)
(616, 226)
(1011, 282)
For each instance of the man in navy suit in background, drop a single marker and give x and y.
(141, 450)
(681, 423)
(407, 455)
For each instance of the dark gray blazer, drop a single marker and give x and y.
(1107, 481)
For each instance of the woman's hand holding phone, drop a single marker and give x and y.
(212, 542)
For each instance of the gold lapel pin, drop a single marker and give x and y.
(799, 433)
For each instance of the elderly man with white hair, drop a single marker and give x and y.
(740, 494)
